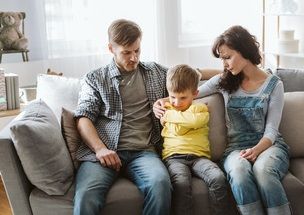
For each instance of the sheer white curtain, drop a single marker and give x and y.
(79, 27)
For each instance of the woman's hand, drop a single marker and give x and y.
(250, 154)
(159, 107)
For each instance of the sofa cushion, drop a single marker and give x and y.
(58, 92)
(292, 122)
(217, 125)
(122, 196)
(70, 134)
(37, 137)
(293, 79)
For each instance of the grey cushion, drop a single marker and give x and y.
(293, 79)
(292, 120)
(122, 198)
(41, 148)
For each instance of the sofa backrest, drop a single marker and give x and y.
(217, 125)
(58, 92)
(292, 123)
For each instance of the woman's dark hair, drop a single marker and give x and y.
(240, 40)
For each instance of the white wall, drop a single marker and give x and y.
(70, 67)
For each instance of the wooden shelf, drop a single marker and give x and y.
(6, 113)
(268, 15)
(283, 14)
(296, 55)
(15, 112)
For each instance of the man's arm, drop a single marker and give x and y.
(206, 74)
(89, 135)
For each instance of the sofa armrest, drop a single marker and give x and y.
(16, 184)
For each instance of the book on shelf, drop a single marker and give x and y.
(12, 91)
(3, 101)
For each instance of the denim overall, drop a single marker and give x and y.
(255, 185)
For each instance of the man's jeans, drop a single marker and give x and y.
(145, 169)
(258, 184)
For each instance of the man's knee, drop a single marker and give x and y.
(86, 201)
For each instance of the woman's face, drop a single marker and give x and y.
(233, 61)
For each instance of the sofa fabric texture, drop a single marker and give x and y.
(123, 196)
(37, 138)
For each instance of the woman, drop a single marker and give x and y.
(256, 158)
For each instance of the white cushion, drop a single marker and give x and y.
(58, 92)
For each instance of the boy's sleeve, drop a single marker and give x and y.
(196, 117)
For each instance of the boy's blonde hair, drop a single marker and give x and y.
(181, 78)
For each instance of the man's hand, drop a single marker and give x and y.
(109, 158)
(162, 121)
(159, 107)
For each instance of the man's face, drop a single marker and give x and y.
(126, 57)
(182, 101)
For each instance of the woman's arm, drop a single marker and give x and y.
(206, 74)
(274, 113)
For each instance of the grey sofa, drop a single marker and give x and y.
(123, 197)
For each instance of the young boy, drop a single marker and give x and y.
(186, 145)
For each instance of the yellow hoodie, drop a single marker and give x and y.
(186, 132)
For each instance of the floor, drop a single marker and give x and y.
(4, 205)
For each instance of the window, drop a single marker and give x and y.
(79, 27)
(201, 21)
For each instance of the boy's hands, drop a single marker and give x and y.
(159, 107)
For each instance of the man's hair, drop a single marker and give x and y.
(124, 32)
(181, 78)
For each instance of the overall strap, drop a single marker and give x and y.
(271, 85)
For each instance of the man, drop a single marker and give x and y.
(119, 130)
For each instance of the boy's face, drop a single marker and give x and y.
(182, 101)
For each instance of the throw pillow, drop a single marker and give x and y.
(292, 79)
(37, 137)
(70, 134)
(57, 92)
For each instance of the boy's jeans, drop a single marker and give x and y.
(181, 168)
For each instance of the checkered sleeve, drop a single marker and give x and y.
(89, 99)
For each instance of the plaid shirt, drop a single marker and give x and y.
(100, 101)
